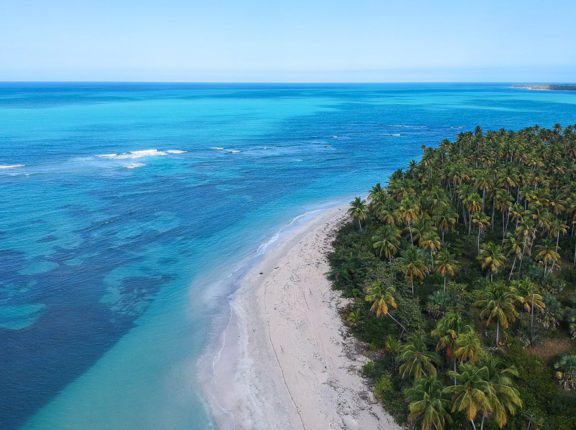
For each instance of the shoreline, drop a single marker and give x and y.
(283, 360)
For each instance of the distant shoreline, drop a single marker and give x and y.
(548, 87)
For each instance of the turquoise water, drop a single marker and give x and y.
(126, 208)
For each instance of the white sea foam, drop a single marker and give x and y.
(134, 165)
(233, 151)
(217, 148)
(175, 151)
(143, 153)
(134, 155)
(11, 166)
(392, 134)
(407, 126)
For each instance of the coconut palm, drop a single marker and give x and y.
(446, 265)
(428, 404)
(497, 304)
(482, 222)
(447, 331)
(375, 191)
(504, 397)
(416, 361)
(491, 258)
(387, 241)
(445, 220)
(430, 241)
(413, 265)
(472, 202)
(471, 394)
(408, 212)
(514, 247)
(529, 298)
(358, 211)
(468, 347)
(382, 299)
(386, 215)
(547, 255)
(556, 228)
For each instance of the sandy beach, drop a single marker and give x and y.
(284, 360)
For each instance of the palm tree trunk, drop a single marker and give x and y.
(493, 215)
(445, 283)
(473, 425)
(497, 333)
(399, 323)
(478, 241)
(512, 270)
(360, 225)
(410, 230)
(482, 423)
(532, 319)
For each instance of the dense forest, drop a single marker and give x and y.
(462, 282)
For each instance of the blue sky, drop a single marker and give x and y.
(285, 41)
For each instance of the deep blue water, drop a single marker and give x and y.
(112, 261)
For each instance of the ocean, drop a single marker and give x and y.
(128, 210)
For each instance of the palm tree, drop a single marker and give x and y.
(527, 233)
(481, 221)
(473, 203)
(387, 241)
(546, 254)
(491, 258)
(483, 183)
(468, 346)
(514, 247)
(430, 242)
(529, 298)
(446, 265)
(382, 299)
(413, 265)
(497, 304)
(428, 404)
(408, 212)
(504, 397)
(445, 220)
(416, 360)
(447, 331)
(375, 191)
(471, 393)
(386, 215)
(358, 211)
(556, 228)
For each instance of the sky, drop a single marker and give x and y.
(288, 41)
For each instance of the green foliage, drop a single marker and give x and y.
(392, 398)
(475, 246)
(539, 392)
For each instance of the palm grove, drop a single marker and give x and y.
(462, 279)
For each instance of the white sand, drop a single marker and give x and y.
(284, 361)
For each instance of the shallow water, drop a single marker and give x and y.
(125, 208)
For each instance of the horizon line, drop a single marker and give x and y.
(280, 82)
